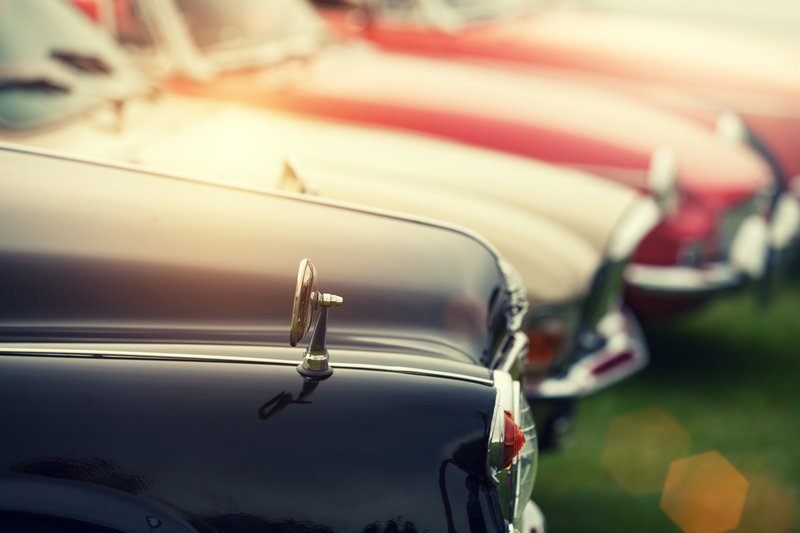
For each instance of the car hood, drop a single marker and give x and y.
(534, 213)
(770, 17)
(722, 63)
(510, 112)
(97, 251)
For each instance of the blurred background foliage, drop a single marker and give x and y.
(729, 377)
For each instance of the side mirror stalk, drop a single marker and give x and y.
(307, 299)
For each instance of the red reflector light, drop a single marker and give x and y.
(513, 441)
(611, 364)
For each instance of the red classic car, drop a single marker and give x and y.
(279, 55)
(714, 69)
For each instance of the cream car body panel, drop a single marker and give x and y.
(776, 18)
(442, 180)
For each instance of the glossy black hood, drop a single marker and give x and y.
(222, 446)
(95, 251)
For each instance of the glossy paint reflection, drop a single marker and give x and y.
(184, 433)
(280, 401)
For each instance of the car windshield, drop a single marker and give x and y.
(263, 30)
(483, 9)
(54, 65)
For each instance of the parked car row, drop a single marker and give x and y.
(168, 163)
(296, 67)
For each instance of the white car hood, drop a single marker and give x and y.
(551, 223)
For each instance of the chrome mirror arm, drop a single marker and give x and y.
(316, 361)
(308, 299)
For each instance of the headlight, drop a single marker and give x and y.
(551, 331)
(546, 341)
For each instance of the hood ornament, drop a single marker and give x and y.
(308, 299)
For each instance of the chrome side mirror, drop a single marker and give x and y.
(307, 299)
(304, 296)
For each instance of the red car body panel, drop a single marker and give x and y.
(757, 77)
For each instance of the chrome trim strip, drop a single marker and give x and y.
(504, 384)
(496, 439)
(234, 359)
(414, 371)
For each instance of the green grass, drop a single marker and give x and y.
(730, 378)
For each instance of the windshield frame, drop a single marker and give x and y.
(92, 69)
(172, 32)
(442, 15)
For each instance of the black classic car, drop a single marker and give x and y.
(147, 382)
(65, 85)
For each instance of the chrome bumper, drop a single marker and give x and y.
(624, 353)
(684, 280)
(748, 260)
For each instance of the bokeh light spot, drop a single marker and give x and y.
(704, 493)
(640, 446)
(770, 506)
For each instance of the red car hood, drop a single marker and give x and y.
(542, 119)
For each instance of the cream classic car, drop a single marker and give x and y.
(66, 86)
(776, 18)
